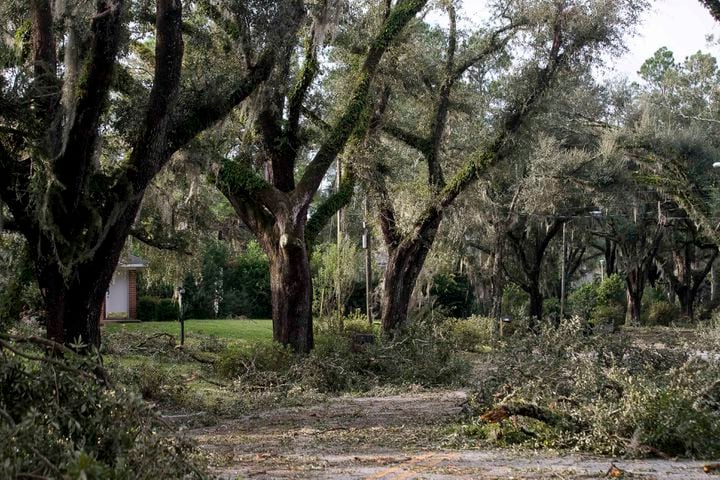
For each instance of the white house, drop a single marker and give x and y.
(121, 298)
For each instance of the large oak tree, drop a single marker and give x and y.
(70, 188)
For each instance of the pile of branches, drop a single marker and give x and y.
(61, 418)
(564, 388)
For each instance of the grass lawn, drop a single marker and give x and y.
(233, 330)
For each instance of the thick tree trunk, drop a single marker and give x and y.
(687, 301)
(72, 313)
(73, 301)
(401, 274)
(536, 305)
(291, 285)
(635, 286)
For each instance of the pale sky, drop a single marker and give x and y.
(680, 25)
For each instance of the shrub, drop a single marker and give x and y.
(662, 313)
(611, 314)
(147, 308)
(61, 423)
(583, 300)
(611, 290)
(357, 323)
(166, 310)
(471, 333)
(257, 363)
(19, 293)
(247, 284)
(515, 301)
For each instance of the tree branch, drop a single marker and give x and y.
(149, 153)
(317, 120)
(75, 163)
(328, 208)
(412, 140)
(399, 17)
(166, 243)
(714, 7)
(295, 102)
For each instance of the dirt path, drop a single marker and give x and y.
(391, 437)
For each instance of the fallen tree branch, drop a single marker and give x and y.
(531, 410)
(194, 356)
(152, 337)
(48, 359)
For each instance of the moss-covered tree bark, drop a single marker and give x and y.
(408, 249)
(75, 213)
(275, 205)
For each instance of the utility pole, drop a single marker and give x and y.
(338, 282)
(562, 275)
(368, 266)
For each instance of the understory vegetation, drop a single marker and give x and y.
(637, 392)
(60, 419)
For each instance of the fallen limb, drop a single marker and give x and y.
(152, 337)
(530, 410)
(47, 359)
(194, 356)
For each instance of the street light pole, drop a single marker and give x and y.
(562, 275)
(368, 264)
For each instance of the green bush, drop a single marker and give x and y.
(470, 334)
(583, 300)
(611, 290)
(612, 314)
(19, 292)
(60, 422)
(147, 308)
(515, 301)
(257, 363)
(662, 313)
(247, 284)
(166, 311)
(356, 324)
